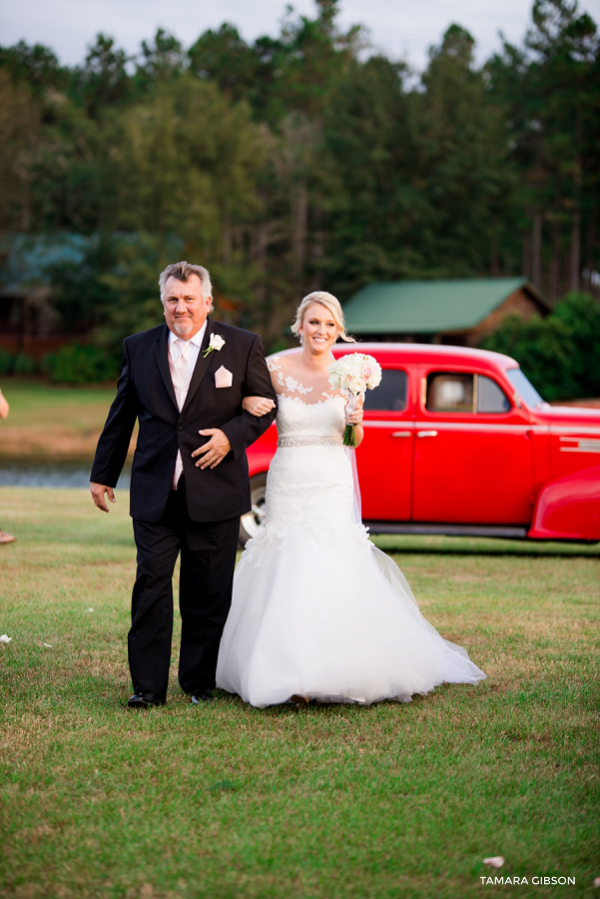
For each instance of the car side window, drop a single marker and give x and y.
(491, 397)
(391, 394)
(449, 392)
(464, 392)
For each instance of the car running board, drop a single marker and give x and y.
(447, 530)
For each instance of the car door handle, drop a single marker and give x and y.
(427, 433)
(401, 433)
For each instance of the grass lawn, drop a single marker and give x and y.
(227, 801)
(51, 421)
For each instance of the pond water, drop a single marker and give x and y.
(48, 473)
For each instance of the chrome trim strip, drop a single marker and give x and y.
(559, 430)
(484, 426)
(585, 446)
(458, 426)
(369, 423)
(479, 427)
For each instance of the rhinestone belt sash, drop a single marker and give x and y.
(310, 441)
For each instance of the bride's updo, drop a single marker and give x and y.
(331, 303)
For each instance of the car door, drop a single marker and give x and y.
(384, 459)
(473, 451)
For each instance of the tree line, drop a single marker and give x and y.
(304, 161)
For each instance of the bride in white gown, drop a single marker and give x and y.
(318, 612)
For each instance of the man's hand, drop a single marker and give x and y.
(98, 491)
(214, 451)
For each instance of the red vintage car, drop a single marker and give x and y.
(457, 441)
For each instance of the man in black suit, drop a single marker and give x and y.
(184, 381)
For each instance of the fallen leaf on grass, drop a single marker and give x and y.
(496, 861)
(5, 638)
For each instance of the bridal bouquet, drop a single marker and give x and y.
(352, 375)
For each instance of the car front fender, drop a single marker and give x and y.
(568, 508)
(258, 463)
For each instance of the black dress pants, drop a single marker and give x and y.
(208, 551)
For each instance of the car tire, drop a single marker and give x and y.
(252, 520)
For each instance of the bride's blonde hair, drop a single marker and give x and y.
(333, 306)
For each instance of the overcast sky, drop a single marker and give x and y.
(401, 28)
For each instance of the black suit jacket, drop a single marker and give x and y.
(145, 392)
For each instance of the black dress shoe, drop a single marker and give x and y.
(145, 700)
(201, 696)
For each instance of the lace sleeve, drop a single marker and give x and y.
(274, 366)
(283, 382)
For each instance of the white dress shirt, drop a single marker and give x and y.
(183, 355)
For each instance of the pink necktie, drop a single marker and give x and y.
(181, 382)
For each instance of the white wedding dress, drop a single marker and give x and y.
(317, 609)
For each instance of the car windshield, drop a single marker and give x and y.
(524, 388)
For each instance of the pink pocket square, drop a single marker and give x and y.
(223, 377)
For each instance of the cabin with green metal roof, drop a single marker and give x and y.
(458, 311)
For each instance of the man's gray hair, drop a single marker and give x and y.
(183, 272)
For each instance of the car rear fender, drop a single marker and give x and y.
(568, 508)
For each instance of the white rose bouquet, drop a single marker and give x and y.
(352, 375)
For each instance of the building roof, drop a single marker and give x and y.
(27, 257)
(427, 307)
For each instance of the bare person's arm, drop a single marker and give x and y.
(261, 405)
(4, 407)
(257, 405)
(356, 419)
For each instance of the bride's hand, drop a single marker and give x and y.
(357, 416)
(257, 405)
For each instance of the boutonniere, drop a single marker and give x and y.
(216, 342)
